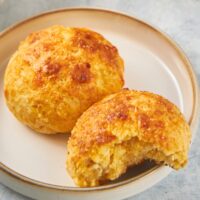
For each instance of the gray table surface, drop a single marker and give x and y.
(178, 18)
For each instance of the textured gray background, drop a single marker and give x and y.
(178, 18)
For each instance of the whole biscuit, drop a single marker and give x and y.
(57, 73)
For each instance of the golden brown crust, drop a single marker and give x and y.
(140, 124)
(52, 78)
(92, 44)
(81, 73)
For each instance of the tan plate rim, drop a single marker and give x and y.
(192, 122)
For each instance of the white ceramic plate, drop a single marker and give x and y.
(34, 164)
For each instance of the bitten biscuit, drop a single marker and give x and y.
(123, 130)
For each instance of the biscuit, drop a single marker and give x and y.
(123, 130)
(57, 73)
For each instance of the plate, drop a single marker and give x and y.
(34, 164)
